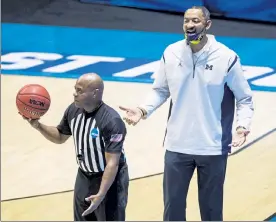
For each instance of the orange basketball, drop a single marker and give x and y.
(33, 101)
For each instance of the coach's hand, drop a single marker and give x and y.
(95, 202)
(33, 122)
(239, 137)
(132, 116)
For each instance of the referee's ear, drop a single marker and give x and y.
(97, 93)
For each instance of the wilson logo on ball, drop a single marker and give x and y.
(37, 102)
(34, 113)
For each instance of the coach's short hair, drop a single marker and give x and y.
(204, 10)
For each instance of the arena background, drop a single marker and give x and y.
(52, 42)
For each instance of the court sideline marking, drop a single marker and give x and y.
(144, 177)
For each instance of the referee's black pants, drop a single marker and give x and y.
(112, 207)
(179, 169)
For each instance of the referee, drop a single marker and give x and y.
(101, 187)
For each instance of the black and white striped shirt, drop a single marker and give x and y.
(94, 133)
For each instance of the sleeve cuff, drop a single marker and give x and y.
(145, 111)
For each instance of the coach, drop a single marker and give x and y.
(203, 77)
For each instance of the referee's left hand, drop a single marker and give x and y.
(95, 202)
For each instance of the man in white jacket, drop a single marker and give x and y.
(203, 78)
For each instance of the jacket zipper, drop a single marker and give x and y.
(194, 65)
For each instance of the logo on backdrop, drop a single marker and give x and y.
(110, 68)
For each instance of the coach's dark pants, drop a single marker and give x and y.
(178, 172)
(112, 207)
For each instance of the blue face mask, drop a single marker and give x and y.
(194, 38)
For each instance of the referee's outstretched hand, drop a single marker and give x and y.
(33, 122)
(132, 116)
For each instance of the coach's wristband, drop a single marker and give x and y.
(142, 111)
(242, 127)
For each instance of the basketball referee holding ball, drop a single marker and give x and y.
(101, 188)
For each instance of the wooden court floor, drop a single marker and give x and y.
(32, 166)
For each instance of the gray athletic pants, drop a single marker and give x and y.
(113, 207)
(178, 172)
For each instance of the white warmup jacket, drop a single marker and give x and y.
(203, 87)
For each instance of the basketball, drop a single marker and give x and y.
(33, 101)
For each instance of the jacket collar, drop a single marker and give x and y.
(210, 46)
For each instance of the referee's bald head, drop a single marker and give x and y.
(91, 81)
(89, 90)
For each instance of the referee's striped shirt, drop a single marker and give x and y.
(94, 133)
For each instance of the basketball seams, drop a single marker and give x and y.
(27, 94)
(21, 91)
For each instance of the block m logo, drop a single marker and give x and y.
(209, 67)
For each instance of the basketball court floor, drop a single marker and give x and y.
(37, 177)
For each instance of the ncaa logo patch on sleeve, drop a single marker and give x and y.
(116, 138)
